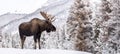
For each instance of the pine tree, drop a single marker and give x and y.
(78, 23)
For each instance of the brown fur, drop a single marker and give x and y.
(34, 28)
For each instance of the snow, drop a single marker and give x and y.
(8, 17)
(20, 6)
(42, 51)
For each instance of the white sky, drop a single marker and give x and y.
(20, 6)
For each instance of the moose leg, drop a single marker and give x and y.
(35, 41)
(22, 41)
(39, 41)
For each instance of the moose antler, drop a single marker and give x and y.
(44, 15)
(47, 16)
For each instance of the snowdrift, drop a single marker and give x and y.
(42, 51)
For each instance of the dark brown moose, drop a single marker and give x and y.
(35, 27)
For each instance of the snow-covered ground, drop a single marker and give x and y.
(42, 51)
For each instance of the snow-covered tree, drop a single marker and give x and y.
(110, 35)
(79, 25)
(95, 28)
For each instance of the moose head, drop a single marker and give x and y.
(49, 19)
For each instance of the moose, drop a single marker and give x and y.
(35, 27)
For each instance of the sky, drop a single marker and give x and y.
(20, 6)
